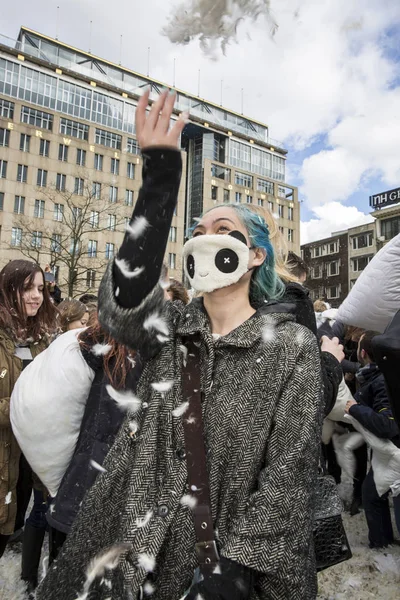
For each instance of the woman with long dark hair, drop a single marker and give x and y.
(27, 319)
(215, 466)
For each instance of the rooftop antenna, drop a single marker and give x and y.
(174, 77)
(222, 83)
(148, 61)
(57, 21)
(90, 37)
(198, 85)
(120, 51)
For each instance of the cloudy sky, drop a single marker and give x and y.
(328, 84)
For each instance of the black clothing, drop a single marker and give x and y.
(377, 513)
(231, 582)
(387, 355)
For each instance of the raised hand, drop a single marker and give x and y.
(153, 129)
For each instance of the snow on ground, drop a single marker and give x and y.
(370, 574)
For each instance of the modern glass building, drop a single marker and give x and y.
(60, 96)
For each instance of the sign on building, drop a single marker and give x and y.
(385, 198)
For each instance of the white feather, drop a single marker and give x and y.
(98, 467)
(149, 588)
(8, 498)
(101, 349)
(156, 322)
(268, 333)
(123, 266)
(162, 386)
(189, 501)
(163, 339)
(106, 560)
(217, 570)
(146, 519)
(137, 227)
(181, 409)
(125, 400)
(146, 562)
(184, 351)
(133, 426)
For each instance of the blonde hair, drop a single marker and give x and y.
(320, 306)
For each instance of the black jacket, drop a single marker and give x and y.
(373, 409)
(101, 422)
(387, 355)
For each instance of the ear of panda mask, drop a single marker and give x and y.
(212, 262)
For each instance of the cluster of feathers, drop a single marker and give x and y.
(214, 22)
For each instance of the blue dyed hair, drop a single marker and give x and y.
(265, 282)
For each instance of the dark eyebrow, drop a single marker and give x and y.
(216, 221)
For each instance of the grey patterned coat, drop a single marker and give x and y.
(262, 414)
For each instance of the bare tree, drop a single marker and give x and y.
(68, 239)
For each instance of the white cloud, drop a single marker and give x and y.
(330, 218)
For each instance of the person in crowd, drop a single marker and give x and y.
(262, 405)
(371, 408)
(297, 266)
(88, 299)
(54, 290)
(386, 349)
(74, 314)
(101, 421)
(27, 320)
(177, 291)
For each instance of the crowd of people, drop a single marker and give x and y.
(180, 452)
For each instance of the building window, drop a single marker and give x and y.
(16, 236)
(316, 251)
(390, 228)
(332, 247)
(227, 196)
(249, 199)
(333, 292)
(265, 186)
(38, 211)
(270, 206)
(98, 162)
(44, 148)
(38, 118)
(130, 170)
(36, 241)
(172, 234)
(113, 195)
(79, 186)
(19, 205)
(1, 201)
(109, 250)
(360, 263)
(56, 241)
(41, 178)
(58, 212)
(63, 152)
(281, 230)
(132, 146)
(290, 235)
(333, 268)
(4, 137)
(243, 179)
(115, 166)
(112, 222)
(6, 109)
(22, 173)
(94, 219)
(316, 272)
(129, 198)
(96, 190)
(281, 211)
(238, 197)
(363, 241)
(221, 172)
(92, 249)
(24, 142)
(77, 215)
(81, 157)
(214, 192)
(91, 278)
(260, 202)
(172, 260)
(75, 246)
(352, 283)
(74, 129)
(3, 169)
(106, 138)
(61, 182)
(290, 213)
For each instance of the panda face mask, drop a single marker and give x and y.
(212, 262)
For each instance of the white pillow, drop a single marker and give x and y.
(47, 406)
(375, 297)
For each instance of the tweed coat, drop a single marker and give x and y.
(10, 370)
(262, 410)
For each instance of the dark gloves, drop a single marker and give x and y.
(230, 581)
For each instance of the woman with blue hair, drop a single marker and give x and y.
(208, 489)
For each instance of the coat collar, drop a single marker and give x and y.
(194, 321)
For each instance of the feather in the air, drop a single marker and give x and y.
(146, 519)
(137, 227)
(126, 400)
(98, 467)
(156, 322)
(124, 267)
(162, 386)
(101, 349)
(106, 560)
(189, 501)
(146, 562)
(181, 409)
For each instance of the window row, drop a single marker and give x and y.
(36, 240)
(332, 292)
(330, 269)
(282, 213)
(323, 250)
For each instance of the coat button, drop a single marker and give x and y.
(181, 454)
(163, 510)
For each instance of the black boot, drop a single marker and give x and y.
(31, 552)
